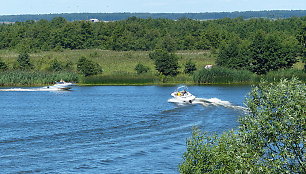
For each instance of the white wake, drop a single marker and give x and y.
(209, 102)
(31, 89)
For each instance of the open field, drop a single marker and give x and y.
(111, 61)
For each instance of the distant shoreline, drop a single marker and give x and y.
(270, 14)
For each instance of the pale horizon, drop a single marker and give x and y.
(33, 7)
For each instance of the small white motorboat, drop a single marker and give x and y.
(182, 95)
(61, 85)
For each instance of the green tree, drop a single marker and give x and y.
(233, 54)
(166, 63)
(302, 40)
(276, 125)
(58, 21)
(166, 43)
(88, 67)
(271, 52)
(24, 61)
(190, 67)
(140, 68)
(270, 139)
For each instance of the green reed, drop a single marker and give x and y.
(281, 74)
(33, 78)
(220, 75)
(120, 78)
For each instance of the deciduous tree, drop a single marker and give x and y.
(88, 67)
(166, 63)
(270, 139)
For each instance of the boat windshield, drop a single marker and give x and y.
(182, 88)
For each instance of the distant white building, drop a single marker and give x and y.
(208, 66)
(94, 20)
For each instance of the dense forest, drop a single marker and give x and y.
(272, 14)
(140, 34)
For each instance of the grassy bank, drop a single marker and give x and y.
(119, 69)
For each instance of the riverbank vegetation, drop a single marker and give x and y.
(162, 50)
(270, 138)
(119, 69)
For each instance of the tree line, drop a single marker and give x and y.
(140, 34)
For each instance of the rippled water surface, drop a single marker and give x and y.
(107, 129)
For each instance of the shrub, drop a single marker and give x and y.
(24, 61)
(140, 68)
(56, 65)
(88, 67)
(190, 67)
(270, 138)
(3, 66)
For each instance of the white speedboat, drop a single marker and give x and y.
(182, 95)
(61, 85)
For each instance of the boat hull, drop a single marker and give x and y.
(60, 86)
(187, 98)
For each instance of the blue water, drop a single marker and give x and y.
(106, 129)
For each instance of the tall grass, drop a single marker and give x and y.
(281, 74)
(31, 78)
(220, 75)
(120, 78)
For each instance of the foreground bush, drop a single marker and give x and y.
(270, 139)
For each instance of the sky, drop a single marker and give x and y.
(14, 7)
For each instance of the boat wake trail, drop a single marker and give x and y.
(217, 102)
(31, 89)
(210, 102)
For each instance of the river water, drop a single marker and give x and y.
(108, 129)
